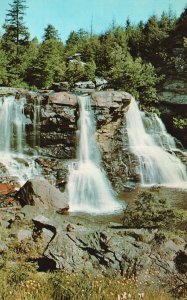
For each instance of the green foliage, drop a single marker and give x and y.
(179, 122)
(18, 273)
(15, 29)
(3, 69)
(89, 70)
(48, 66)
(134, 76)
(122, 55)
(150, 211)
(50, 33)
(113, 48)
(75, 72)
(26, 284)
(15, 41)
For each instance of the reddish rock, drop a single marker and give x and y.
(40, 193)
(63, 98)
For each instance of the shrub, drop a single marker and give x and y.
(150, 211)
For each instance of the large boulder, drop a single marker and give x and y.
(41, 193)
(62, 98)
(111, 99)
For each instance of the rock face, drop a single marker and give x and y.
(51, 129)
(174, 87)
(169, 111)
(56, 125)
(173, 92)
(75, 247)
(41, 193)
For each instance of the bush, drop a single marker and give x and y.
(150, 212)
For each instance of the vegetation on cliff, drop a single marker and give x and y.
(123, 55)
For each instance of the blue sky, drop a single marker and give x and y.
(68, 15)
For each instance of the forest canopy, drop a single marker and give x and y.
(131, 57)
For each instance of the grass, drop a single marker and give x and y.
(24, 283)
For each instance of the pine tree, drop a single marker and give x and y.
(15, 42)
(3, 70)
(48, 67)
(15, 30)
(50, 33)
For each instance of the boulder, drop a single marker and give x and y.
(41, 222)
(111, 99)
(62, 98)
(41, 193)
(100, 83)
(85, 84)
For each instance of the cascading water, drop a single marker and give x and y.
(154, 148)
(36, 120)
(12, 140)
(88, 187)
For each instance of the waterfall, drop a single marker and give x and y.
(12, 124)
(36, 120)
(154, 148)
(88, 187)
(12, 140)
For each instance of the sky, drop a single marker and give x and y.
(68, 15)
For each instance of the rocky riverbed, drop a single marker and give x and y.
(76, 242)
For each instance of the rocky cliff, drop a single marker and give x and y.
(173, 91)
(51, 128)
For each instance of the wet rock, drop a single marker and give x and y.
(41, 193)
(57, 130)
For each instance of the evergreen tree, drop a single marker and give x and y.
(15, 30)
(156, 34)
(75, 72)
(3, 69)
(71, 44)
(50, 33)
(136, 38)
(48, 66)
(181, 25)
(134, 76)
(89, 70)
(112, 44)
(15, 41)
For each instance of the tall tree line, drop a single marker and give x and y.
(132, 57)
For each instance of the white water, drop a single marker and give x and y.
(154, 148)
(12, 140)
(88, 187)
(36, 120)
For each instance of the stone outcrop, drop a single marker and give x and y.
(169, 111)
(51, 129)
(75, 247)
(173, 91)
(40, 193)
(81, 86)
(56, 127)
